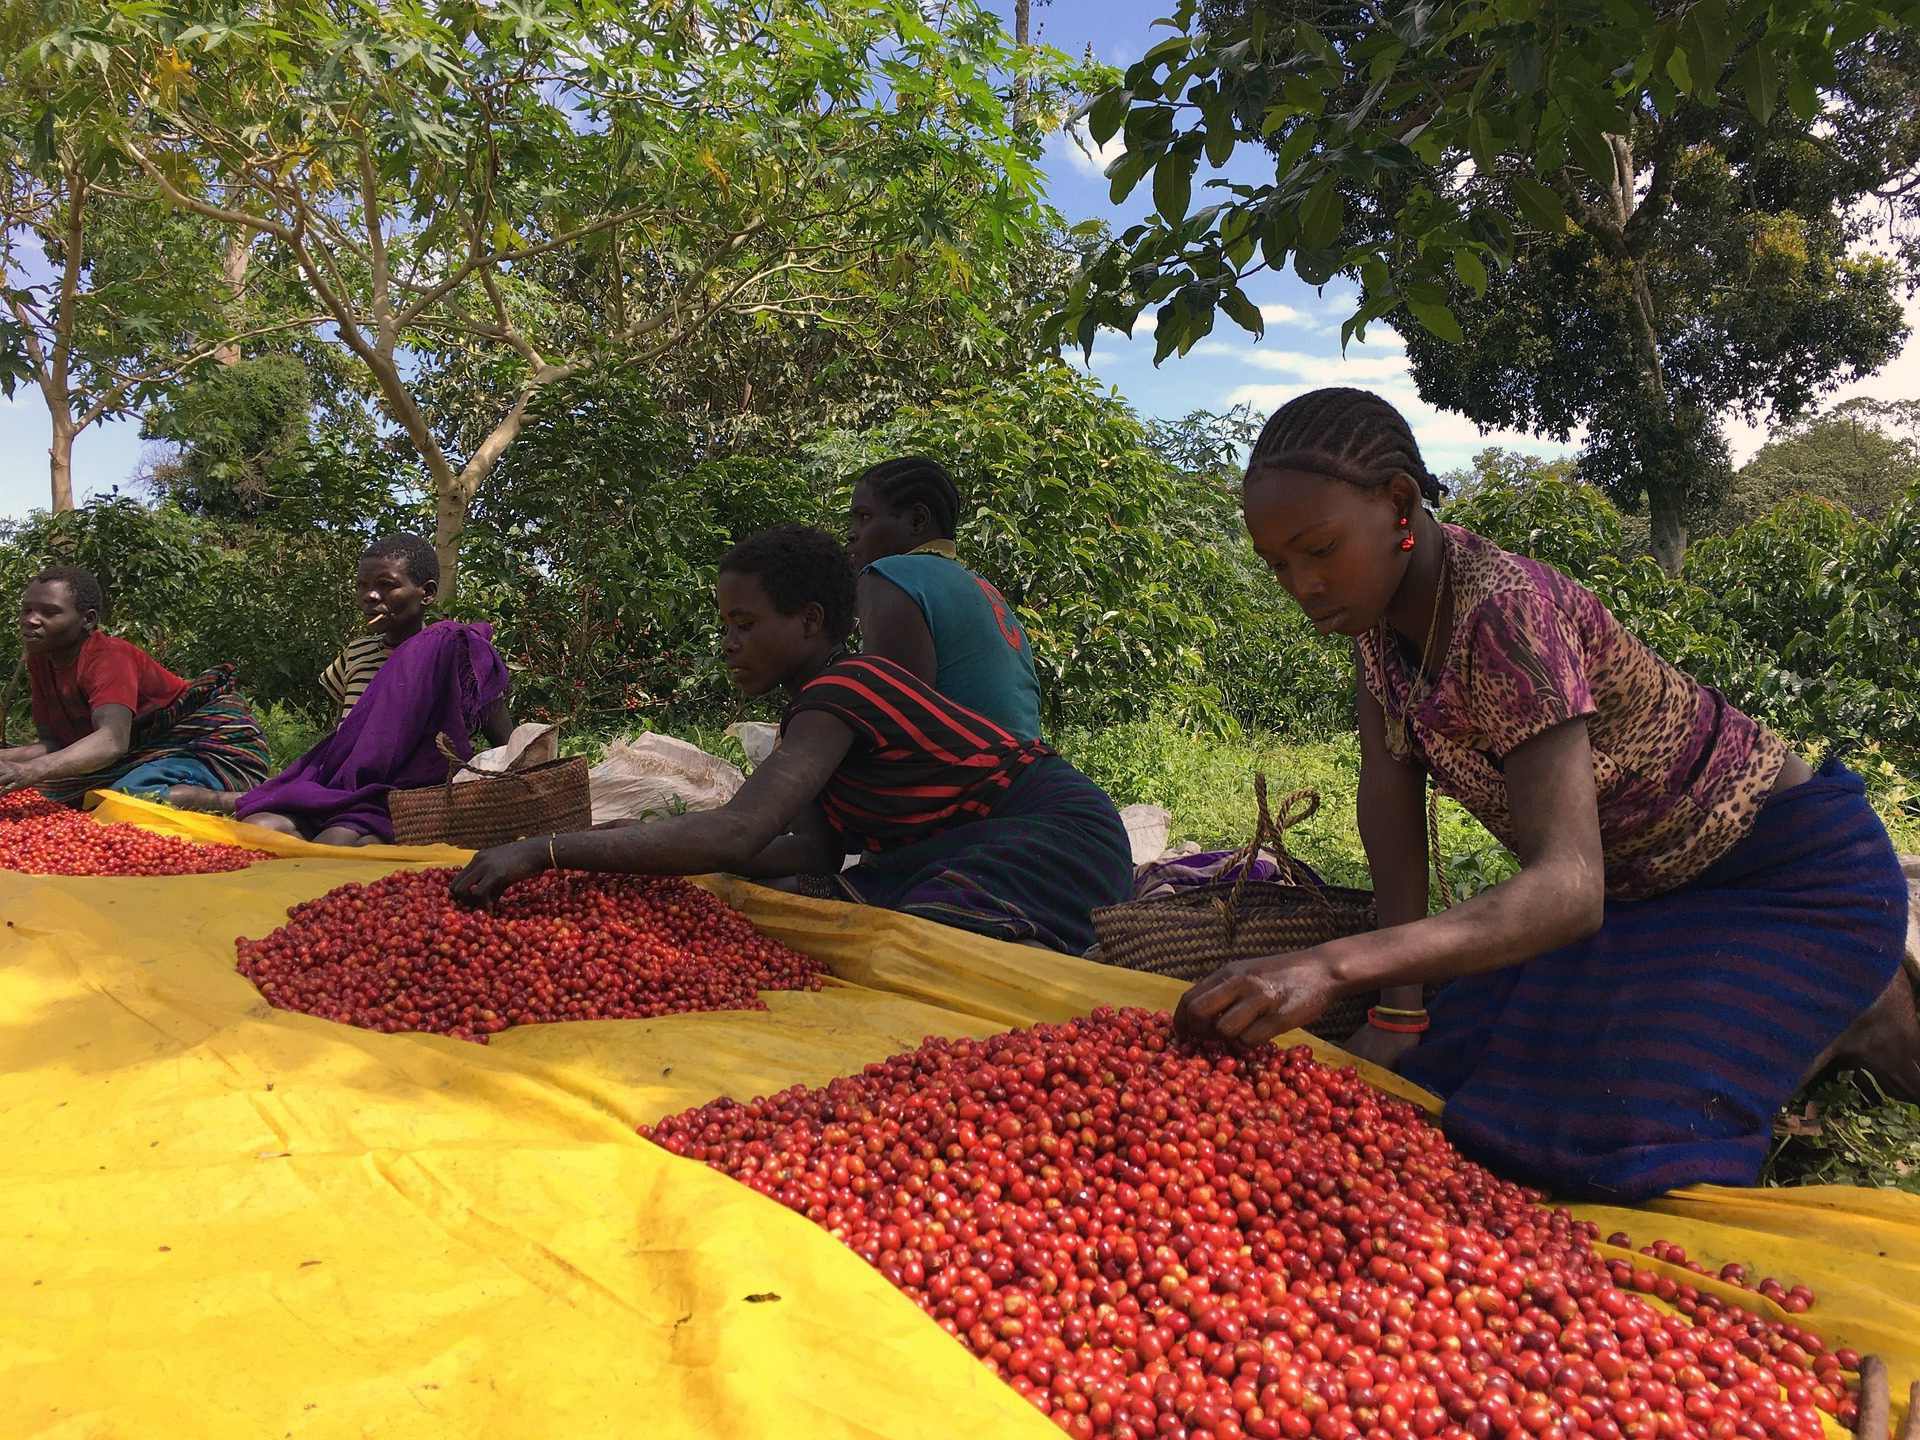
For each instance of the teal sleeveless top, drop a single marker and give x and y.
(984, 660)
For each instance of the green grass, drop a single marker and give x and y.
(290, 733)
(1845, 1131)
(1207, 784)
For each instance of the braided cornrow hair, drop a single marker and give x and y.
(1351, 435)
(909, 480)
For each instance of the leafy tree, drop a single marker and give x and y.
(754, 384)
(1715, 271)
(241, 433)
(1536, 508)
(1498, 466)
(593, 550)
(1205, 443)
(1663, 178)
(105, 298)
(1863, 454)
(741, 159)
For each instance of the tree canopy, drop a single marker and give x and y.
(1637, 213)
(425, 165)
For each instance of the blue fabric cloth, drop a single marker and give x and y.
(151, 780)
(1034, 870)
(1655, 1053)
(985, 662)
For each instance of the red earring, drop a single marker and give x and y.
(1406, 541)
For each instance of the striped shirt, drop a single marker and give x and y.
(920, 763)
(346, 679)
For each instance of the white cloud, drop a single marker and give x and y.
(1361, 365)
(1447, 441)
(1075, 147)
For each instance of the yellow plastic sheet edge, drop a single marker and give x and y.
(504, 1252)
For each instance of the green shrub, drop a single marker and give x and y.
(290, 731)
(1207, 784)
(196, 592)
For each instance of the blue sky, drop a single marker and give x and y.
(1301, 349)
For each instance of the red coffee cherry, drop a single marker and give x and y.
(398, 954)
(1146, 1238)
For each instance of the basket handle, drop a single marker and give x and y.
(444, 742)
(1270, 832)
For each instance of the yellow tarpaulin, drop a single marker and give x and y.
(219, 1219)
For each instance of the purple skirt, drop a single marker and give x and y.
(1655, 1053)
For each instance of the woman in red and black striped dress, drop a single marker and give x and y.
(955, 818)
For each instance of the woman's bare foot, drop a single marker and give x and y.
(1885, 1040)
(267, 820)
(200, 797)
(344, 835)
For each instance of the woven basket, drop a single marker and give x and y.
(1192, 933)
(548, 799)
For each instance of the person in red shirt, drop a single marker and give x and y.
(110, 716)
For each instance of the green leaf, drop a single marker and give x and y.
(1759, 76)
(1539, 205)
(1709, 42)
(1316, 267)
(1221, 138)
(1107, 113)
(1321, 215)
(1243, 311)
(1480, 144)
(1318, 45)
(1803, 96)
(1472, 273)
(1526, 64)
(1678, 71)
(1594, 153)
(1172, 186)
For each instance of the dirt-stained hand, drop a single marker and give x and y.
(1251, 1001)
(492, 871)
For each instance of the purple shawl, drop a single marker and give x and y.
(441, 680)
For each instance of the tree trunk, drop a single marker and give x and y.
(233, 270)
(1022, 36)
(449, 519)
(60, 454)
(1668, 516)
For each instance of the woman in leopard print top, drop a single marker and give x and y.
(1700, 920)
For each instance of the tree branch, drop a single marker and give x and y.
(382, 290)
(109, 399)
(432, 295)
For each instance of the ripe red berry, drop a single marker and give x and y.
(398, 954)
(1149, 1239)
(39, 837)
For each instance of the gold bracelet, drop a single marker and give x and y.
(553, 861)
(1399, 1014)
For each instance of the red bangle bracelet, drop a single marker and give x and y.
(1397, 1027)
